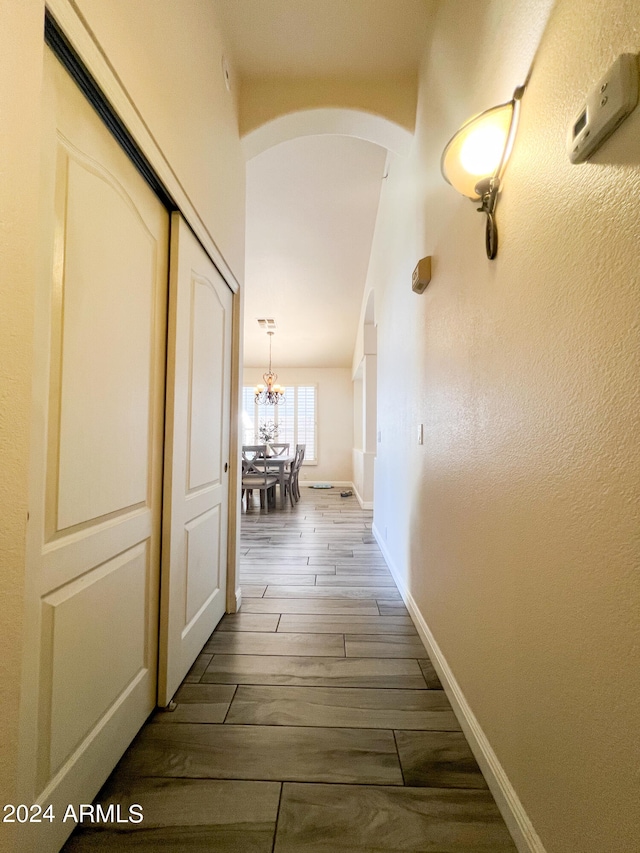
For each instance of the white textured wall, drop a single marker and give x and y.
(358, 432)
(335, 417)
(516, 525)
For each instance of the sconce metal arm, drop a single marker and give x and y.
(488, 192)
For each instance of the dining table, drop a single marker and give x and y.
(278, 464)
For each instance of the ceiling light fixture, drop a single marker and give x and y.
(272, 394)
(474, 159)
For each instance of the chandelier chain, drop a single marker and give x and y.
(270, 393)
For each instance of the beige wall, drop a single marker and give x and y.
(265, 100)
(335, 417)
(20, 71)
(515, 527)
(168, 56)
(358, 434)
(170, 64)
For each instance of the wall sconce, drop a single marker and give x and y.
(475, 157)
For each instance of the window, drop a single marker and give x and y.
(295, 418)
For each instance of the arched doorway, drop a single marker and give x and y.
(321, 340)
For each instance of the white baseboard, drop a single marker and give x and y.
(518, 823)
(337, 484)
(340, 484)
(363, 504)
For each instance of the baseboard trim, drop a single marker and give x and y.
(518, 823)
(338, 484)
(363, 504)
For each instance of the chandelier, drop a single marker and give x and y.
(272, 394)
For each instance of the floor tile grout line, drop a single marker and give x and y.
(326, 686)
(372, 729)
(417, 690)
(230, 704)
(275, 827)
(395, 740)
(282, 781)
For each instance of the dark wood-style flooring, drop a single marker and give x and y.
(313, 720)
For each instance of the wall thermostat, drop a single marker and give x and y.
(607, 106)
(421, 275)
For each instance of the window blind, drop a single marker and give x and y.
(296, 418)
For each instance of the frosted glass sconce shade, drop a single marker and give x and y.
(478, 150)
(474, 159)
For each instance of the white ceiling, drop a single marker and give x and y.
(312, 202)
(311, 210)
(303, 38)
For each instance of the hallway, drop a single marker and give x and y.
(312, 720)
(300, 145)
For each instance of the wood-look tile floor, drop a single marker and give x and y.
(312, 721)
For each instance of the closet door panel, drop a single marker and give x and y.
(194, 562)
(92, 598)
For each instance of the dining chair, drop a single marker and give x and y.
(299, 448)
(255, 475)
(292, 477)
(279, 448)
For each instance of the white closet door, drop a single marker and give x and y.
(92, 598)
(194, 544)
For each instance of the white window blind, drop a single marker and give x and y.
(249, 429)
(296, 418)
(306, 419)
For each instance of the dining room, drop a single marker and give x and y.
(315, 410)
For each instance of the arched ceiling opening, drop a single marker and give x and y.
(313, 186)
(311, 210)
(328, 122)
(325, 91)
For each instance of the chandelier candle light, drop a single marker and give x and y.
(273, 393)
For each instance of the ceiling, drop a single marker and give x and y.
(303, 38)
(311, 211)
(312, 201)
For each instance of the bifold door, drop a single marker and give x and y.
(97, 454)
(196, 457)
